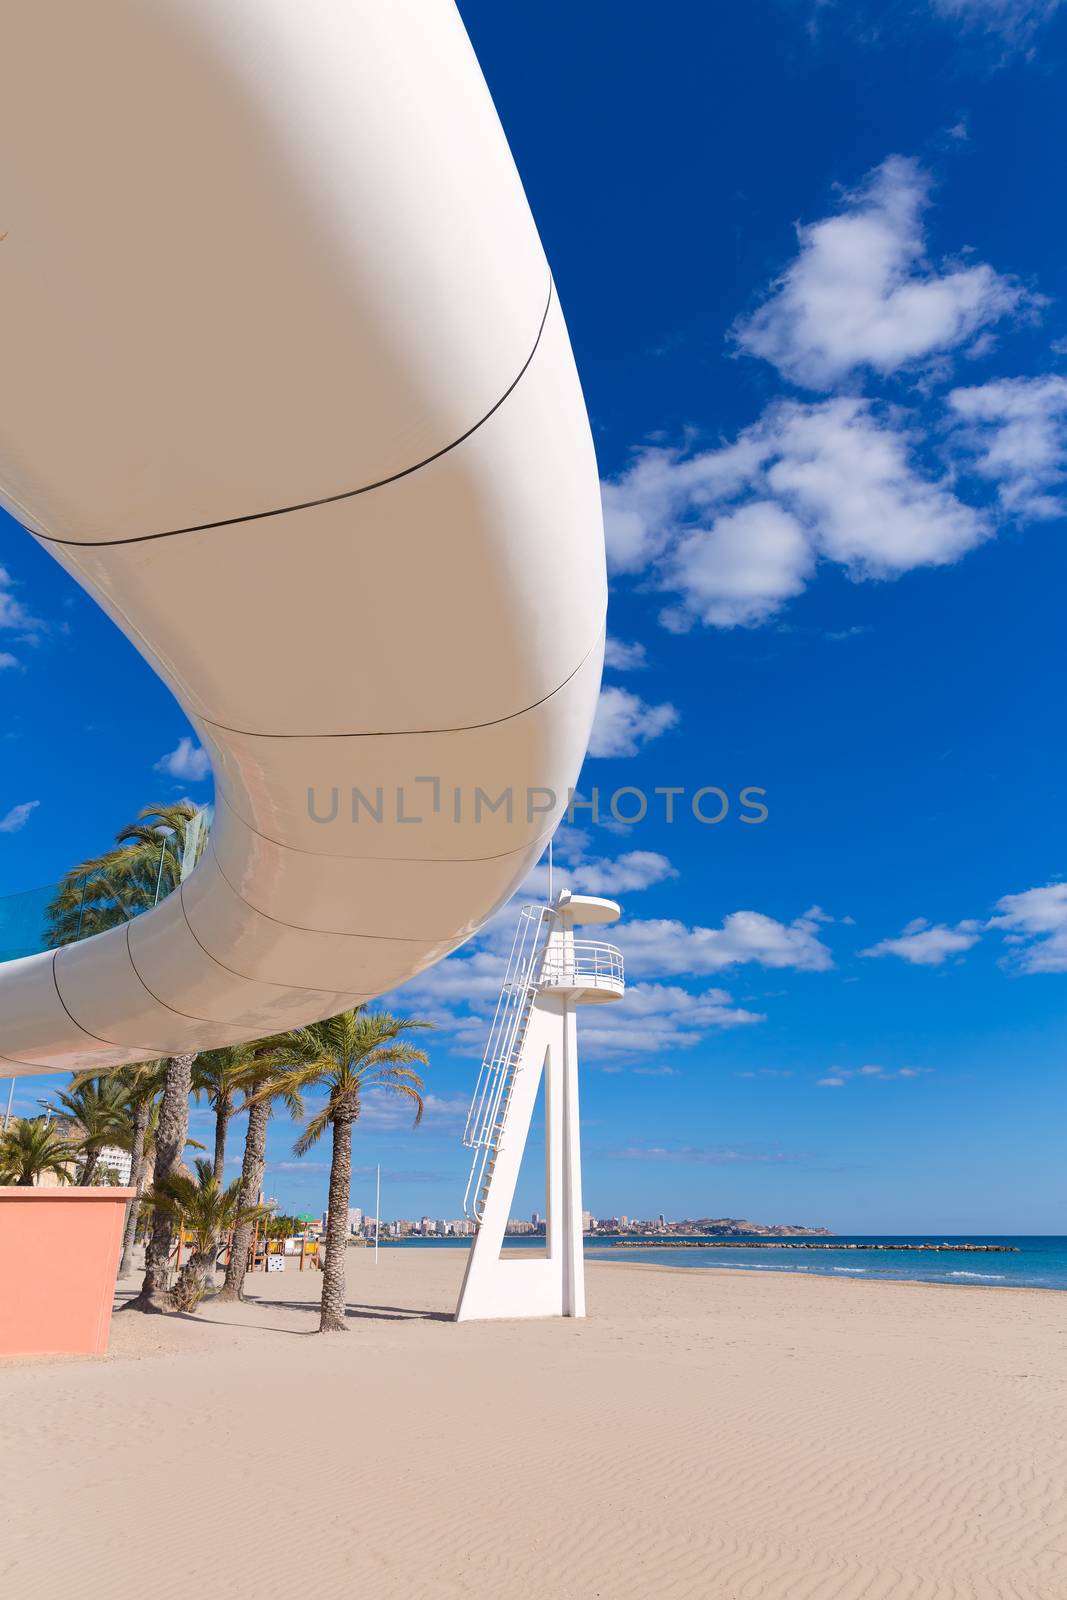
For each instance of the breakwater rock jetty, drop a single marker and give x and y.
(810, 1244)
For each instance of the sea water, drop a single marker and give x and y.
(1037, 1262)
(1040, 1261)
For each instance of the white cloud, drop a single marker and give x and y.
(718, 1157)
(626, 874)
(18, 816)
(13, 613)
(737, 531)
(741, 569)
(389, 1174)
(571, 843)
(7, 660)
(643, 505)
(1015, 19)
(839, 1076)
(1017, 429)
(653, 1018)
(670, 948)
(928, 945)
(187, 762)
(861, 292)
(1035, 923)
(385, 1111)
(624, 722)
(443, 1109)
(848, 473)
(622, 657)
(477, 969)
(650, 1020)
(473, 978)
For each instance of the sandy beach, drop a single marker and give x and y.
(702, 1433)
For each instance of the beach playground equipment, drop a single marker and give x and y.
(533, 1037)
(288, 391)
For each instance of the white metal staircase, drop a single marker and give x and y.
(496, 1076)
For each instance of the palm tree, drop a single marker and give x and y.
(150, 858)
(220, 1075)
(172, 1133)
(347, 1055)
(31, 1147)
(267, 1080)
(203, 1208)
(97, 1107)
(142, 1083)
(109, 1178)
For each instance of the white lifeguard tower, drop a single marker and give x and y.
(549, 973)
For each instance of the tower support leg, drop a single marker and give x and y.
(552, 1285)
(571, 1151)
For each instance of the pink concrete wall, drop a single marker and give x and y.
(59, 1254)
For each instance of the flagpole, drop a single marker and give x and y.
(10, 1098)
(377, 1211)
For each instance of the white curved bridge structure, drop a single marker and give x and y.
(287, 389)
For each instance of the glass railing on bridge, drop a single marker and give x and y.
(123, 885)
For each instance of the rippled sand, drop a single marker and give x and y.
(702, 1433)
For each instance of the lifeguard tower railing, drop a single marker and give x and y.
(537, 962)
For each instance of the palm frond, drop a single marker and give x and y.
(104, 891)
(200, 1204)
(313, 1132)
(32, 1147)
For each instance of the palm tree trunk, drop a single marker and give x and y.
(87, 1173)
(142, 1111)
(252, 1169)
(195, 1279)
(204, 1270)
(171, 1134)
(332, 1318)
(223, 1113)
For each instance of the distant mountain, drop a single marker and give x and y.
(732, 1227)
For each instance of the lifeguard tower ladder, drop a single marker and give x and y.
(549, 973)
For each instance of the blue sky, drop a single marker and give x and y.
(812, 260)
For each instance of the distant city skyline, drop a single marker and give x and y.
(462, 1227)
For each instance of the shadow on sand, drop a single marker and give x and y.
(355, 1312)
(360, 1312)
